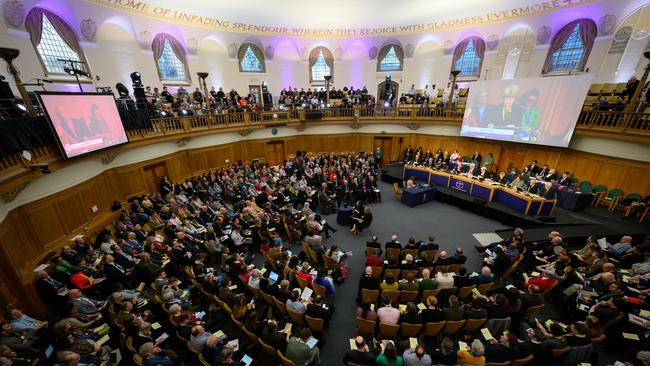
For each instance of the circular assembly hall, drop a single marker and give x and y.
(343, 182)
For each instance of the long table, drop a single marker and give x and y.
(417, 195)
(487, 191)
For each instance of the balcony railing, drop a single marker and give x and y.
(615, 124)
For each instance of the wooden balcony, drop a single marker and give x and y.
(14, 170)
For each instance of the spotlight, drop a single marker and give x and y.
(304, 105)
(328, 105)
(163, 114)
(322, 105)
(386, 104)
(21, 107)
(184, 112)
(122, 90)
(281, 106)
(136, 78)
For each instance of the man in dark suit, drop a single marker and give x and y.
(477, 158)
(367, 281)
(316, 310)
(428, 245)
(442, 259)
(565, 179)
(115, 272)
(273, 338)
(532, 298)
(394, 243)
(533, 169)
(461, 279)
(459, 257)
(374, 243)
(361, 355)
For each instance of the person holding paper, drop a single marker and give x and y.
(360, 354)
(446, 354)
(271, 336)
(152, 355)
(472, 356)
(503, 350)
(300, 353)
(295, 304)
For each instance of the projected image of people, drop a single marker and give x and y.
(84, 122)
(537, 111)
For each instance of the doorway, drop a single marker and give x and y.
(385, 144)
(256, 92)
(386, 89)
(275, 153)
(153, 175)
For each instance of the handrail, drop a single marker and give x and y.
(625, 124)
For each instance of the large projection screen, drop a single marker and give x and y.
(83, 122)
(541, 111)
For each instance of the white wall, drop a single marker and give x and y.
(115, 53)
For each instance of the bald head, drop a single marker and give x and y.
(393, 237)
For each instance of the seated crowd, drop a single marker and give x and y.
(425, 298)
(173, 279)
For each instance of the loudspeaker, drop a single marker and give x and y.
(140, 97)
(546, 218)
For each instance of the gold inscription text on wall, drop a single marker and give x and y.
(171, 15)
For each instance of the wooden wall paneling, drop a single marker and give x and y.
(198, 161)
(636, 180)
(131, 181)
(256, 149)
(89, 196)
(365, 142)
(610, 175)
(290, 145)
(44, 222)
(71, 211)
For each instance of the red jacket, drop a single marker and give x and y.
(374, 261)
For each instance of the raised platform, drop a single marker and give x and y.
(575, 226)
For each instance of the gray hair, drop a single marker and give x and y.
(478, 348)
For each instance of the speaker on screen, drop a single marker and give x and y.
(541, 111)
(83, 122)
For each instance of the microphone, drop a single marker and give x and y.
(46, 81)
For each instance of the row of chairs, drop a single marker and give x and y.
(404, 297)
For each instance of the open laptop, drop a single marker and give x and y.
(273, 277)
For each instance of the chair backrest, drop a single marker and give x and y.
(585, 187)
(394, 271)
(282, 308)
(557, 352)
(296, 317)
(484, 287)
(578, 355)
(614, 192)
(129, 345)
(388, 330)
(463, 292)
(600, 188)
(430, 255)
(473, 324)
(408, 296)
(427, 293)
(203, 361)
(252, 336)
(316, 324)
(497, 326)
(505, 363)
(405, 273)
(453, 326)
(413, 252)
(268, 298)
(410, 330)
(376, 272)
(369, 251)
(366, 326)
(393, 253)
(285, 361)
(319, 290)
(533, 309)
(392, 295)
(453, 268)
(302, 282)
(395, 188)
(370, 295)
(433, 329)
(633, 196)
(522, 361)
(269, 349)
(330, 263)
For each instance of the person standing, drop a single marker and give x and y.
(378, 156)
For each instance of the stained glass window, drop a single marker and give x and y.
(390, 62)
(250, 62)
(320, 68)
(171, 68)
(52, 47)
(570, 55)
(468, 63)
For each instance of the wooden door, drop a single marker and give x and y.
(386, 145)
(275, 153)
(255, 91)
(153, 174)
